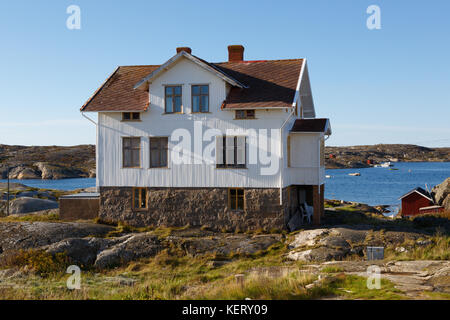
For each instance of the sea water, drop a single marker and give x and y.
(375, 186)
(382, 186)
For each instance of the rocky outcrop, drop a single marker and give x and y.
(133, 248)
(28, 204)
(49, 171)
(223, 244)
(23, 172)
(47, 162)
(26, 235)
(85, 245)
(82, 251)
(441, 194)
(111, 252)
(412, 278)
(337, 243)
(357, 156)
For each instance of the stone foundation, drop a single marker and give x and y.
(206, 207)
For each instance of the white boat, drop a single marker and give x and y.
(328, 176)
(386, 164)
(356, 174)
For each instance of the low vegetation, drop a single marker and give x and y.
(174, 274)
(436, 248)
(52, 216)
(170, 276)
(42, 263)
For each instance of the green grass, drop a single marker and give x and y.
(287, 287)
(331, 269)
(438, 295)
(355, 287)
(171, 275)
(39, 261)
(349, 208)
(50, 217)
(350, 215)
(438, 249)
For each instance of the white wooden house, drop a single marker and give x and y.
(232, 145)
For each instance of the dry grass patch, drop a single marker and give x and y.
(438, 249)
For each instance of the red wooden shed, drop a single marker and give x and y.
(414, 200)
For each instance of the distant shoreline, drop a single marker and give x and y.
(64, 162)
(371, 166)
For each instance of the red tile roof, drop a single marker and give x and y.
(310, 125)
(117, 93)
(271, 84)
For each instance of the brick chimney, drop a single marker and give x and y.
(186, 49)
(235, 53)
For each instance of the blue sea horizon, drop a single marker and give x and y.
(375, 186)
(382, 186)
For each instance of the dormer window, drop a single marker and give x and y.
(200, 98)
(131, 116)
(244, 114)
(173, 99)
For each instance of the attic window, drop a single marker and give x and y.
(131, 116)
(173, 99)
(200, 98)
(244, 114)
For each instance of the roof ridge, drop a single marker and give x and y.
(141, 65)
(261, 60)
(244, 61)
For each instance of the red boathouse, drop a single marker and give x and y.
(414, 200)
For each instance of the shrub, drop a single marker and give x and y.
(39, 261)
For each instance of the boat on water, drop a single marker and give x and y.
(355, 174)
(328, 176)
(384, 165)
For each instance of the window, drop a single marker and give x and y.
(158, 152)
(131, 116)
(230, 152)
(200, 98)
(288, 146)
(244, 114)
(139, 198)
(131, 151)
(173, 99)
(236, 199)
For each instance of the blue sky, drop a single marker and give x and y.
(377, 86)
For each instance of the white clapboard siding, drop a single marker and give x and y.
(154, 123)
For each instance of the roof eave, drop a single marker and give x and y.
(84, 106)
(412, 191)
